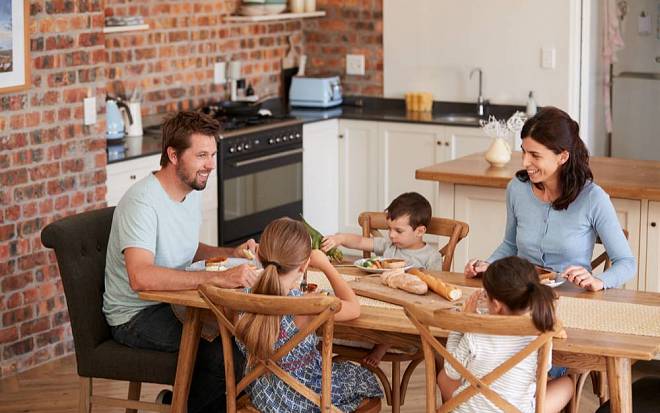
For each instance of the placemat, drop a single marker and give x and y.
(608, 316)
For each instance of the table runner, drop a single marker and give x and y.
(608, 316)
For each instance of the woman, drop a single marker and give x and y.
(555, 211)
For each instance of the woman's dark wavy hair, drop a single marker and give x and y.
(554, 129)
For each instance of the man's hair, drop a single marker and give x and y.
(177, 130)
(412, 204)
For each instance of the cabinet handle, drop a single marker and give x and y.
(653, 224)
(439, 143)
(341, 136)
(132, 177)
(446, 143)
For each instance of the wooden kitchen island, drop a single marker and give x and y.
(471, 190)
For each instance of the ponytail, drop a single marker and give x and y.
(259, 332)
(513, 281)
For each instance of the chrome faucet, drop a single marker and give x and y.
(481, 103)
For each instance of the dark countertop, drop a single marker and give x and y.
(356, 108)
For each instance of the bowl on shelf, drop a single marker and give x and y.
(261, 9)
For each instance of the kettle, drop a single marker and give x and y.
(114, 118)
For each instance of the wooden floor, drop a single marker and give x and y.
(53, 388)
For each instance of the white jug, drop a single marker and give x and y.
(499, 153)
(135, 128)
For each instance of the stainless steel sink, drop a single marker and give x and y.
(459, 118)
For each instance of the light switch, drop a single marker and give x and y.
(219, 77)
(89, 110)
(548, 58)
(355, 64)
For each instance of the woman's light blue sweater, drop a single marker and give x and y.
(558, 239)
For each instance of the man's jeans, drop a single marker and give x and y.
(157, 328)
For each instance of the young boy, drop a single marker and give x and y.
(408, 217)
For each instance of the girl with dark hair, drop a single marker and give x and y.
(285, 252)
(555, 211)
(511, 288)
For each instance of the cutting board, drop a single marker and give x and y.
(372, 287)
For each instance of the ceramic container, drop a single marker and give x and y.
(499, 153)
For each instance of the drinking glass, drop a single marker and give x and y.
(482, 303)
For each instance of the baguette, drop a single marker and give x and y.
(398, 279)
(445, 290)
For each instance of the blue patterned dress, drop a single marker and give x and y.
(351, 383)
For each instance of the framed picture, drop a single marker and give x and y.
(14, 45)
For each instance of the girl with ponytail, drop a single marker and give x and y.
(555, 212)
(512, 287)
(285, 253)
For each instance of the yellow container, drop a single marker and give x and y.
(419, 102)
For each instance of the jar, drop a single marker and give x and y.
(297, 6)
(310, 6)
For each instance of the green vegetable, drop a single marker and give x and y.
(317, 238)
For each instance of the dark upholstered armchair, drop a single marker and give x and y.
(80, 244)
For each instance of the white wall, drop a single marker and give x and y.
(592, 127)
(431, 45)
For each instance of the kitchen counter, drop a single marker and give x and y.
(620, 178)
(356, 108)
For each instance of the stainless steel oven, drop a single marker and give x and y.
(260, 179)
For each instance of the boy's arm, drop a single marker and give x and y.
(352, 241)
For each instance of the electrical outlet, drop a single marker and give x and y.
(548, 58)
(219, 76)
(355, 64)
(89, 110)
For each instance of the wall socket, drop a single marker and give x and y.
(548, 57)
(355, 64)
(219, 73)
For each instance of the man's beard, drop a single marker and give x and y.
(191, 182)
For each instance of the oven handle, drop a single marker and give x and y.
(267, 158)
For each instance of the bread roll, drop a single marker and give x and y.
(398, 279)
(545, 274)
(393, 263)
(443, 289)
(215, 263)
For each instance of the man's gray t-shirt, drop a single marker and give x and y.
(426, 257)
(146, 217)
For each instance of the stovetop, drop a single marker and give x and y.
(231, 122)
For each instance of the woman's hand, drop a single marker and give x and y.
(475, 267)
(331, 242)
(582, 278)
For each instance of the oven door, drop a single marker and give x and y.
(256, 189)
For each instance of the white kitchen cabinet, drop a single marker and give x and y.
(359, 167)
(652, 231)
(321, 175)
(406, 147)
(122, 175)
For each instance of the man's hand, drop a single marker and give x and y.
(245, 249)
(236, 277)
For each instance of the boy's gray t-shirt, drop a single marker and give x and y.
(146, 217)
(427, 257)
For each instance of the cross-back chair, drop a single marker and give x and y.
(226, 303)
(450, 320)
(372, 222)
(395, 392)
(598, 378)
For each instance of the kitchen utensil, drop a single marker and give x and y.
(114, 118)
(135, 127)
(302, 61)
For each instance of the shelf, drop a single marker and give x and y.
(273, 17)
(129, 28)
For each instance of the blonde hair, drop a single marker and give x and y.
(284, 246)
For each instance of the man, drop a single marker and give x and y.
(154, 236)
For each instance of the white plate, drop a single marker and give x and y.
(231, 262)
(358, 264)
(556, 282)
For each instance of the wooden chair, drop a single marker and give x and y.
(579, 376)
(225, 303)
(395, 392)
(485, 324)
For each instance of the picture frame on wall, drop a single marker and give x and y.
(14, 45)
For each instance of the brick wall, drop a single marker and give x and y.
(51, 166)
(349, 27)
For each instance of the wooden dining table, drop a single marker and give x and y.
(613, 353)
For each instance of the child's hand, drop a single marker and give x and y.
(331, 242)
(318, 259)
(470, 305)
